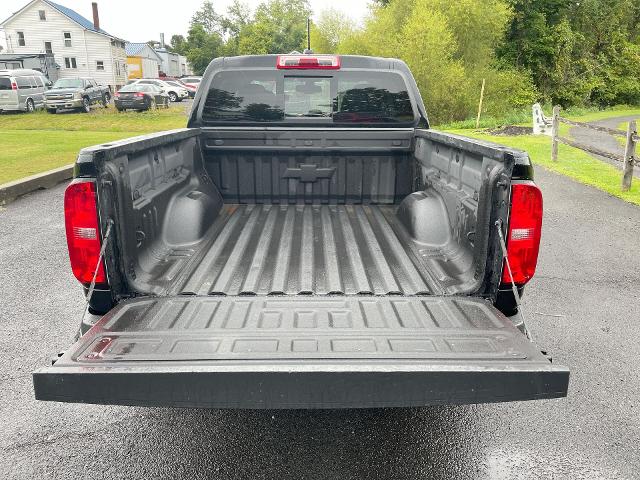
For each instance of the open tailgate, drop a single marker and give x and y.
(301, 352)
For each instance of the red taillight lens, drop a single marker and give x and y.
(117, 94)
(14, 86)
(304, 62)
(139, 94)
(523, 237)
(83, 233)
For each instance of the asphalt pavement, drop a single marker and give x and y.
(604, 141)
(583, 307)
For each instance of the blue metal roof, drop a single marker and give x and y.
(134, 48)
(76, 17)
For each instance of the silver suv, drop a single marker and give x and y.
(22, 90)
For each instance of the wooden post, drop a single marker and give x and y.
(555, 130)
(480, 105)
(629, 156)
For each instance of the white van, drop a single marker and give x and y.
(22, 90)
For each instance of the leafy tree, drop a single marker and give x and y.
(449, 49)
(208, 19)
(331, 28)
(279, 26)
(178, 44)
(203, 47)
(234, 24)
(578, 52)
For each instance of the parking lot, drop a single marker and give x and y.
(582, 307)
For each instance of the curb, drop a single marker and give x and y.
(12, 190)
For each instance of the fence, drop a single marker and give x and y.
(629, 159)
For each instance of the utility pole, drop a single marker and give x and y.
(480, 104)
(308, 34)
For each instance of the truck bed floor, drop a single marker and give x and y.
(310, 249)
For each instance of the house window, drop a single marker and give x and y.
(42, 15)
(67, 39)
(47, 47)
(21, 41)
(70, 62)
(117, 68)
(99, 65)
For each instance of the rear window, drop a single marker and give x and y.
(337, 98)
(23, 82)
(138, 88)
(5, 83)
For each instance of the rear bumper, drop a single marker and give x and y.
(10, 108)
(261, 386)
(133, 104)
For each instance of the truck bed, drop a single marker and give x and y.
(321, 262)
(298, 250)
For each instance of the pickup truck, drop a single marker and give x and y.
(306, 242)
(76, 93)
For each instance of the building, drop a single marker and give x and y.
(172, 64)
(43, 62)
(142, 61)
(80, 47)
(185, 69)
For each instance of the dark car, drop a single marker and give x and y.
(140, 97)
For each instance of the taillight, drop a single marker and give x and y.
(523, 237)
(304, 62)
(117, 94)
(139, 94)
(83, 233)
(14, 85)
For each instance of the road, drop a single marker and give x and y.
(604, 141)
(583, 307)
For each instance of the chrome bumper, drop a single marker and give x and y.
(63, 103)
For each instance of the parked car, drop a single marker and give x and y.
(179, 83)
(76, 93)
(176, 93)
(192, 81)
(306, 242)
(140, 97)
(22, 90)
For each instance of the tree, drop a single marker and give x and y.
(331, 28)
(577, 52)
(208, 19)
(202, 48)
(178, 45)
(449, 48)
(234, 25)
(279, 26)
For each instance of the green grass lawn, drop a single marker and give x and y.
(571, 162)
(37, 142)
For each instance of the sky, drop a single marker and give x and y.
(142, 20)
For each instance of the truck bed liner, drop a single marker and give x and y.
(310, 249)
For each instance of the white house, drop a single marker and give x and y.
(80, 47)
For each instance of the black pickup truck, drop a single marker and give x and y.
(307, 242)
